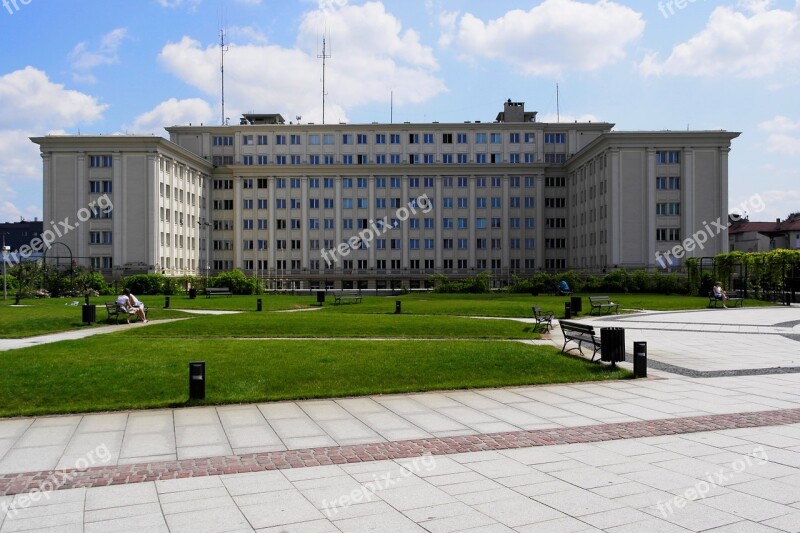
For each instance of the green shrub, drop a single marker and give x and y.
(236, 281)
(145, 283)
(473, 285)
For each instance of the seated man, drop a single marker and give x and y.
(124, 304)
(720, 294)
(135, 305)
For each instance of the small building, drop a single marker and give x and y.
(747, 236)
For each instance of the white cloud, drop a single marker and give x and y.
(173, 112)
(567, 118)
(777, 204)
(372, 55)
(555, 36)
(191, 5)
(249, 34)
(107, 53)
(752, 42)
(30, 98)
(783, 135)
(447, 23)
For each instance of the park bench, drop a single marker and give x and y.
(542, 318)
(602, 303)
(580, 333)
(116, 311)
(218, 291)
(347, 295)
(733, 301)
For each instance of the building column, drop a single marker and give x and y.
(650, 208)
(615, 195)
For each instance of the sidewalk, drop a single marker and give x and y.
(575, 457)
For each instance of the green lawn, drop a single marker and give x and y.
(117, 371)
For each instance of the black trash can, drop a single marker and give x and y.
(567, 310)
(612, 345)
(320, 297)
(397, 307)
(258, 304)
(89, 313)
(192, 293)
(576, 304)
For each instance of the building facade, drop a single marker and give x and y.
(387, 205)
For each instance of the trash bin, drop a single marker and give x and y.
(89, 313)
(320, 297)
(192, 293)
(258, 304)
(576, 304)
(567, 310)
(397, 307)
(612, 344)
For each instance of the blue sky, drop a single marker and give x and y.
(113, 66)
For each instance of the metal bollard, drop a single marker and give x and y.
(640, 359)
(397, 308)
(166, 302)
(567, 310)
(197, 380)
(258, 304)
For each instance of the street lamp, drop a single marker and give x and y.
(5, 250)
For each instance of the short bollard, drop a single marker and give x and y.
(16, 299)
(166, 302)
(197, 380)
(567, 310)
(258, 304)
(640, 359)
(397, 308)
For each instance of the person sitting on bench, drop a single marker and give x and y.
(135, 305)
(720, 294)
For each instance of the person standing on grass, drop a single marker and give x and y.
(136, 305)
(720, 294)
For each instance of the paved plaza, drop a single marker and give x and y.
(710, 441)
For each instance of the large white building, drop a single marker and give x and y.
(344, 204)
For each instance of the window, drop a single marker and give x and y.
(313, 139)
(447, 138)
(347, 203)
(480, 158)
(674, 208)
(280, 139)
(263, 160)
(361, 183)
(247, 140)
(295, 160)
(262, 140)
(555, 202)
(529, 138)
(462, 159)
(327, 139)
(347, 159)
(294, 139)
(513, 158)
(262, 203)
(555, 158)
(413, 138)
(313, 203)
(674, 183)
(100, 161)
(361, 203)
(327, 183)
(361, 138)
(247, 223)
(514, 202)
(347, 138)
(394, 138)
(280, 203)
(496, 223)
(427, 138)
(495, 138)
(380, 159)
(394, 183)
(380, 138)
(280, 159)
(480, 138)
(668, 157)
(480, 203)
(247, 204)
(461, 138)
(497, 202)
(94, 186)
(347, 183)
(480, 223)
(380, 203)
(555, 138)
(447, 223)
(530, 201)
(462, 202)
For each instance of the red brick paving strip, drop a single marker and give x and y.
(258, 462)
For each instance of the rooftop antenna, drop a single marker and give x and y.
(222, 50)
(558, 106)
(324, 56)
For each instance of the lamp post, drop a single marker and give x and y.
(5, 257)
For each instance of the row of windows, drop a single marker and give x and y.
(668, 157)
(100, 237)
(316, 139)
(363, 223)
(380, 264)
(388, 159)
(494, 202)
(386, 244)
(105, 262)
(381, 182)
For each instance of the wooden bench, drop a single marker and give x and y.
(116, 311)
(347, 295)
(218, 291)
(580, 333)
(733, 301)
(602, 303)
(542, 318)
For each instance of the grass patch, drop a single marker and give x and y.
(119, 372)
(327, 324)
